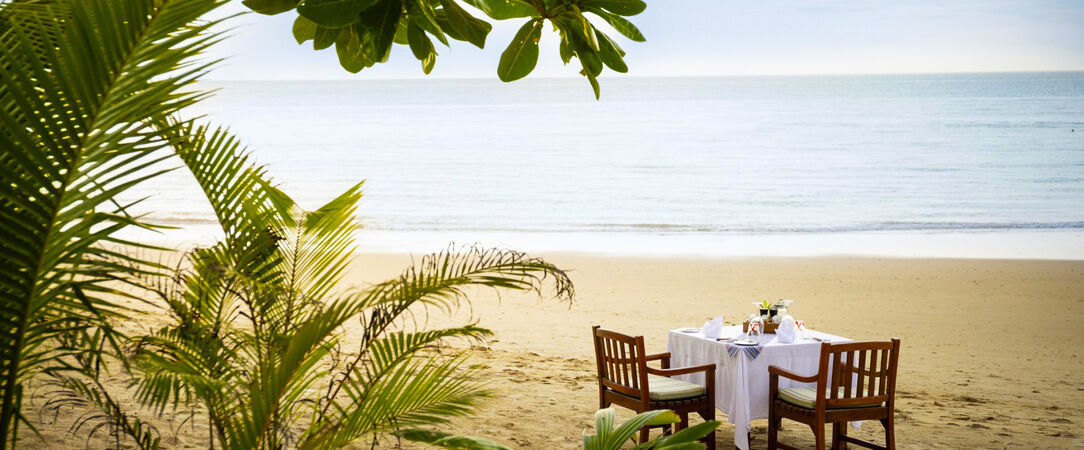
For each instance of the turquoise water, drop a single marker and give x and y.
(671, 156)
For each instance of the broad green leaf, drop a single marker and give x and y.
(420, 44)
(304, 29)
(578, 30)
(594, 85)
(592, 64)
(683, 446)
(626, 430)
(428, 63)
(587, 32)
(504, 9)
(621, 7)
(619, 23)
(466, 26)
(520, 57)
(688, 435)
(666, 418)
(446, 440)
(604, 423)
(566, 51)
(324, 37)
(270, 7)
(376, 29)
(401, 32)
(422, 14)
(610, 53)
(333, 13)
(348, 48)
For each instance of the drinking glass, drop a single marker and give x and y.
(756, 327)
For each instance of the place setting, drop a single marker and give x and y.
(769, 335)
(769, 318)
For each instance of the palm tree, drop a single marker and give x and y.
(91, 92)
(81, 85)
(256, 335)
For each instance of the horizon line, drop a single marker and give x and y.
(619, 76)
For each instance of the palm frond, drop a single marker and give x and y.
(80, 82)
(316, 249)
(440, 280)
(239, 191)
(419, 392)
(447, 440)
(282, 380)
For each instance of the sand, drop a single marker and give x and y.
(992, 353)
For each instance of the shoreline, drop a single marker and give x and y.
(1022, 244)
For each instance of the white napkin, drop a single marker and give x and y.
(714, 328)
(787, 330)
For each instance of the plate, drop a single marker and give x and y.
(689, 330)
(745, 342)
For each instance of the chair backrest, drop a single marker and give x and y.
(622, 366)
(858, 373)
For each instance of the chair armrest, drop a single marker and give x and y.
(681, 371)
(776, 371)
(664, 357)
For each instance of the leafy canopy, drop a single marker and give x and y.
(363, 31)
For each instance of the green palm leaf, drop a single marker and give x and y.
(446, 440)
(276, 270)
(421, 391)
(82, 81)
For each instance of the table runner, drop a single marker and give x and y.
(742, 382)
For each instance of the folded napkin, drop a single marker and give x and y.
(787, 330)
(714, 328)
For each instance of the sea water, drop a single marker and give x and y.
(957, 164)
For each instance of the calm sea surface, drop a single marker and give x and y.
(679, 156)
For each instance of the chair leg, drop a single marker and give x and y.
(839, 429)
(684, 421)
(818, 436)
(773, 432)
(709, 414)
(644, 434)
(890, 432)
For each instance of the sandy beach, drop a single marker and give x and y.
(991, 355)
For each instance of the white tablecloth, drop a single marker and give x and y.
(741, 383)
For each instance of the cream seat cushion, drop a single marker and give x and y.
(807, 398)
(665, 388)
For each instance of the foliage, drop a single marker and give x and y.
(606, 437)
(91, 93)
(363, 31)
(256, 334)
(81, 82)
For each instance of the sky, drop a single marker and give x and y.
(728, 37)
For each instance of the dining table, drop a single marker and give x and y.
(741, 371)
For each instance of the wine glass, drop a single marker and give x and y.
(756, 327)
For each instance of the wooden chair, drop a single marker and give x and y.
(862, 386)
(625, 379)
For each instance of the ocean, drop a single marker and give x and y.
(907, 165)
